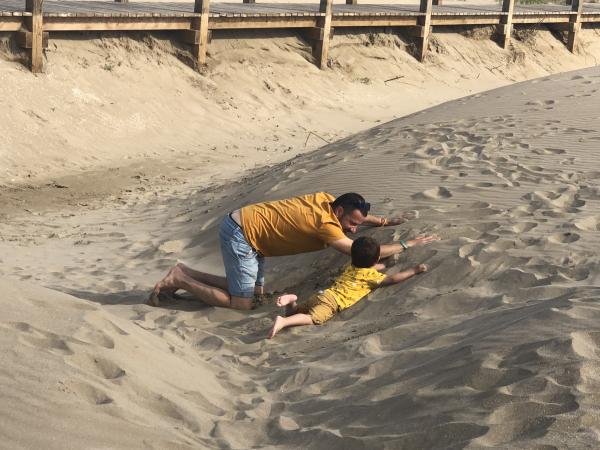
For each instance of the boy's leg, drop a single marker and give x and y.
(291, 321)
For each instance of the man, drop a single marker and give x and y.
(284, 227)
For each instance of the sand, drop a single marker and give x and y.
(496, 346)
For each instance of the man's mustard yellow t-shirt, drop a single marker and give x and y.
(291, 226)
(353, 284)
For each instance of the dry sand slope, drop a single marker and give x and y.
(497, 346)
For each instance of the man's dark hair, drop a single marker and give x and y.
(351, 201)
(365, 252)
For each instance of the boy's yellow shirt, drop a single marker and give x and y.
(353, 284)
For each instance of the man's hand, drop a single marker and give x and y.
(422, 240)
(399, 220)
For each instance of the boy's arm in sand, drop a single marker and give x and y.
(393, 249)
(404, 275)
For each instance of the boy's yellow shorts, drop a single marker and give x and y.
(320, 308)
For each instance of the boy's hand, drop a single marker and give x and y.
(421, 240)
(421, 268)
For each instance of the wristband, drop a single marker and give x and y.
(384, 222)
(403, 244)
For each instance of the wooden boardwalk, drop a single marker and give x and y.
(33, 20)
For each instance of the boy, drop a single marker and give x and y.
(359, 278)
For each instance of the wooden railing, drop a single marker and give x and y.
(195, 26)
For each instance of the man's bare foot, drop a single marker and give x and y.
(153, 300)
(168, 285)
(277, 326)
(421, 268)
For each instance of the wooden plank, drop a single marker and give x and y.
(11, 23)
(263, 22)
(36, 29)
(373, 22)
(539, 19)
(116, 23)
(575, 22)
(465, 20)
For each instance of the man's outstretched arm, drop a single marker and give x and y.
(377, 221)
(345, 245)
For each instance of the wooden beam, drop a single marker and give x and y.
(36, 28)
(504, 29)
(201, 25)
(574, 24)
(322, 45)
(465, 20)
(424, 22)
(25, 39)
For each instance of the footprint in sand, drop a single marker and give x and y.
(588, 224)
(433, 194)
(41, 339)
(97, 365)
(563, 238)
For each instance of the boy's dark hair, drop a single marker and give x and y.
(365, 252)
(351, 201)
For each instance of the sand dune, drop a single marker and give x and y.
(496, 346)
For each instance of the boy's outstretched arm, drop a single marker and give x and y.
(404, 275)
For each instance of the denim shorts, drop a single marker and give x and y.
(244, 266)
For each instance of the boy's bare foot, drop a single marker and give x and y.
(277, 326)
(286, 299)
(421, 268)
(289, 301)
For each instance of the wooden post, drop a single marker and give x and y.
(424, 29)
(437, 2)
(324, 23)
(505, 27)
(200, 26)
(249, 1)
(574, 24)
(35, 25)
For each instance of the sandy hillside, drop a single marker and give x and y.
(497, 346)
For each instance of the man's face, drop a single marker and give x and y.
(350, 222)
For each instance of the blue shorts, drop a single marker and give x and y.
(244, 266)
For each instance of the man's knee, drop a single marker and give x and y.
(242, 303)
